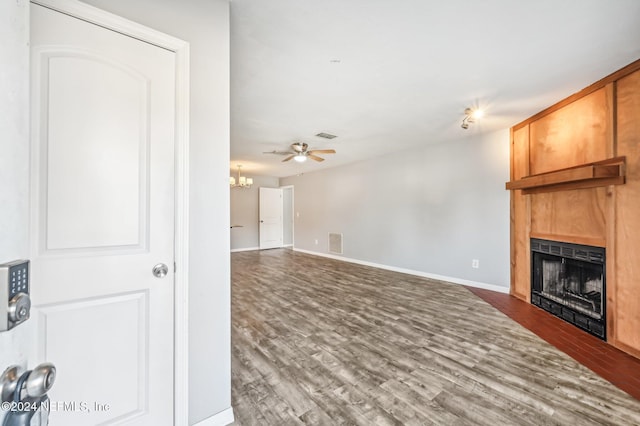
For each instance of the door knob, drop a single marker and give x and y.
(160, 270)
(40, 380)
(35, 383)
(8, 382)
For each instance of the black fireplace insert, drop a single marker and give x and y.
(568, 280)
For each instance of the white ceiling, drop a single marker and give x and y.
(388, 75)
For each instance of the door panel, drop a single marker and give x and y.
(103, 215)
(89, 322)
(271, 228)
(83, 146)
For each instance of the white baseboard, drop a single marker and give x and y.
(454, 280)
(245, 249)
(223, 418)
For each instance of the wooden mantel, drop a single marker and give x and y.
(575, 177)
(592, 175)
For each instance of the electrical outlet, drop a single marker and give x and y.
(316, 242)
(297, 214)
(475, 263)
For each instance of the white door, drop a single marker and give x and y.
(103, 108)
(271, 232)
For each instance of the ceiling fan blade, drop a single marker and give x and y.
(288, 158)
(315, 157)
(322, 151)
(279, 152)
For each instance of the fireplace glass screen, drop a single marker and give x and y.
(568, 280)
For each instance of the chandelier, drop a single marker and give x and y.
(242, 182)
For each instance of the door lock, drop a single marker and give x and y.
(15, 304)
(19, 307)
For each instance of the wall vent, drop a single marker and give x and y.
(335, 243)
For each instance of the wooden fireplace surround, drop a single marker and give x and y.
(575, 177)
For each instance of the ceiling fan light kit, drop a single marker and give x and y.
(300, 152)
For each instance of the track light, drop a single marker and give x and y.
(470, 116)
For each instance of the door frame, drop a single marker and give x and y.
(124, 26)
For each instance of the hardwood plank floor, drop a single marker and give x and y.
(610, 363)
(319, 341)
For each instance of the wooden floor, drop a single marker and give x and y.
(318, 341)
(615, 366)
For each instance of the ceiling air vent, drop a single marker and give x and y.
(326, 135)
(335, 243)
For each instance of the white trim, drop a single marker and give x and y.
(124, 26)
(223, 418)
(113, 22)
(245, 249)
(451, 280)
(181, 291)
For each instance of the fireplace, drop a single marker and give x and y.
(568, 280)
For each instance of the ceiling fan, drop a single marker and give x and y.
(300, 152)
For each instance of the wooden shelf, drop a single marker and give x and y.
(592, 175)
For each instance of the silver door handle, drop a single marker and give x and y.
(160, 270)
(35, 383)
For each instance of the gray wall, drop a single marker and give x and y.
(245, 211)
(430, 210)
(205, 25)
(14, 157)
